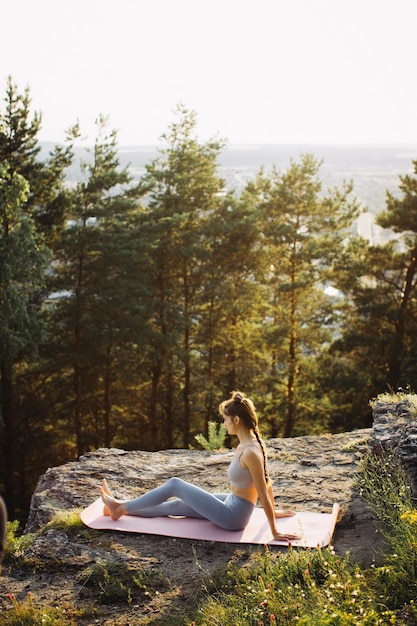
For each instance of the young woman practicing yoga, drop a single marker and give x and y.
(247, 473)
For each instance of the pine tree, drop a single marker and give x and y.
(401, 216)
(30, 189)
(97, 282)
(302, 232)
(23, 261)
(184, 191)
(20, 149)
(378, 337)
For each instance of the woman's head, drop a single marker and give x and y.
(242, 407)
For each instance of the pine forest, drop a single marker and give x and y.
(129, 309)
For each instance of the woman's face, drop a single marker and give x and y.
(230, 424)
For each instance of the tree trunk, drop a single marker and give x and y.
(186, 392)
(9, 452)
(169, 421)
(77, 410)
(107, 399)
(153, 413)
(292, 364)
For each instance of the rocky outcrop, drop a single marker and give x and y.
(308, 473)
(395, 431)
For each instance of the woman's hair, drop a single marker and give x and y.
(244, 408)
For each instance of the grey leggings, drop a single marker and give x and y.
(223, 509)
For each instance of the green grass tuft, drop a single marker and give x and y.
(116, 582)
(26, 613)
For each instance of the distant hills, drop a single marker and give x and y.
(373, 169)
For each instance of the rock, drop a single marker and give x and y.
(395, 431)
(308, 473)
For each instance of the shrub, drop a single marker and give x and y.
(216, 435)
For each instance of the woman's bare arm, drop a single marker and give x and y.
(254, 463)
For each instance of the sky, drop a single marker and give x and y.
(254, 71)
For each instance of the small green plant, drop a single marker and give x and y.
(16, 543)
(216, 435)
(111, 579)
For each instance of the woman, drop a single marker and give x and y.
(248, 476)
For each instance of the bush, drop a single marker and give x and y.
(216, 435)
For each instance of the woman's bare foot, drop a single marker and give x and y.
(106, 490)
(279, 514)
(114, 508)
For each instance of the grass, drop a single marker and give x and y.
(68, 521)
(310, 588)
(395, 397)
(25, 613)
(115, 582)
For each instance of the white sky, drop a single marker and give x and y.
(255, 71)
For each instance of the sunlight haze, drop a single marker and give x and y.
(255, 71)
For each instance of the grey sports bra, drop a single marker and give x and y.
(239, 476)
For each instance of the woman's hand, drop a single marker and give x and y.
(279, 514)
(286, 536)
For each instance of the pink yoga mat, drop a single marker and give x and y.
(315, 529)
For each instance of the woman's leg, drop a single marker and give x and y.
(176, 507)
(231, 513)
